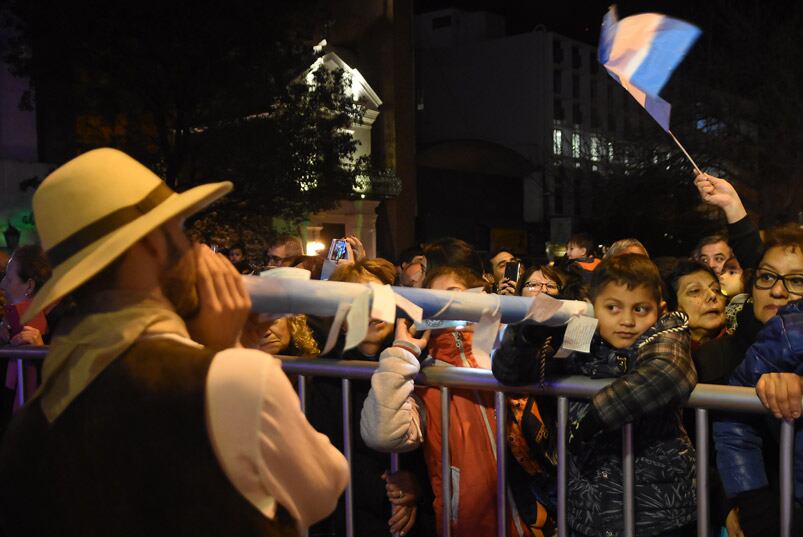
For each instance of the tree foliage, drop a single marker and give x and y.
(200, 91)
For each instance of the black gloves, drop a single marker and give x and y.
(759, 512)
(582, 430)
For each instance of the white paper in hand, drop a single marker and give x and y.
(357, 318)
(383, 303)
(579, 333)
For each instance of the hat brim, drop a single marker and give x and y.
(89, 261)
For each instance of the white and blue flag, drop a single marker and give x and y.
(640, 52)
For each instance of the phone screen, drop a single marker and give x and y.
(512, 270)
(338, 250)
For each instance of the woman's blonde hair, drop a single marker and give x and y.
(302, 341)
(359, 272)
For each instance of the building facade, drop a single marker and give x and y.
(551, 118)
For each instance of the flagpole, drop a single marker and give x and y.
(697, 168)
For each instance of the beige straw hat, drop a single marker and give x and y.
(95, 207)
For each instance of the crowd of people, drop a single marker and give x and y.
(159, 370)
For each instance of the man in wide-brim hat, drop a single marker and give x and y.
(151, 418)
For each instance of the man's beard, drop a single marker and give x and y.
(178, 280)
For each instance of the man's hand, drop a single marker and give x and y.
(506, 287)
(402, 490)
(28, 336)
(223, 300)
(357, 249)
(720, 193)
(732, 523)
(781, 393)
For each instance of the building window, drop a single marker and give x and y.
(557, 112)
(441, 22)
(576, 86)
(594, 119)
(577, 61)
(557, 81)
(557, 51)
(610, 152)
(575, 145)
(611, 122)
(577, 114)
(557, 141)
(596, 149)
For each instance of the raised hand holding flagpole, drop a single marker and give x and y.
(640, 52)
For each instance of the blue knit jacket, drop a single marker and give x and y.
(778, 348)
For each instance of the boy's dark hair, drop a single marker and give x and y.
(407, 255)
(684, 267)
(632, 270)
(498, 251)
(467, 277)
(583, 240)
(454, 253)
(709, 239)
(32, 264)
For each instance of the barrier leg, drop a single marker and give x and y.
(701, 426)
(787, 445)
(302, 393)
(501, 466)
(563, 462)
(629, 479)
(446, 467)
(346, 383)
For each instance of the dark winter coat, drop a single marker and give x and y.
(652, 380)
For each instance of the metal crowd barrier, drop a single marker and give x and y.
(704, 398)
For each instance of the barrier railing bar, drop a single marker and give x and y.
(446, 467)
(302, 393)
(563, 421)
(501, 465)
(701, 427)
(20, 382)
(708, 396)
(394, 467)
(628, 474)
(25, 352)
(786, 476)
(346, 386)
(302, 399)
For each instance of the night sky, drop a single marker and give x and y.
(580, 19)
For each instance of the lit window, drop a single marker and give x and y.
(596, 149)
(557, 141)
(610, 151)
(575, 145)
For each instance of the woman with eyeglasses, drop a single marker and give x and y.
(541, 279)
(741, 440)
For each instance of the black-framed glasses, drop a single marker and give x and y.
(543, 286)
(766, 279)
